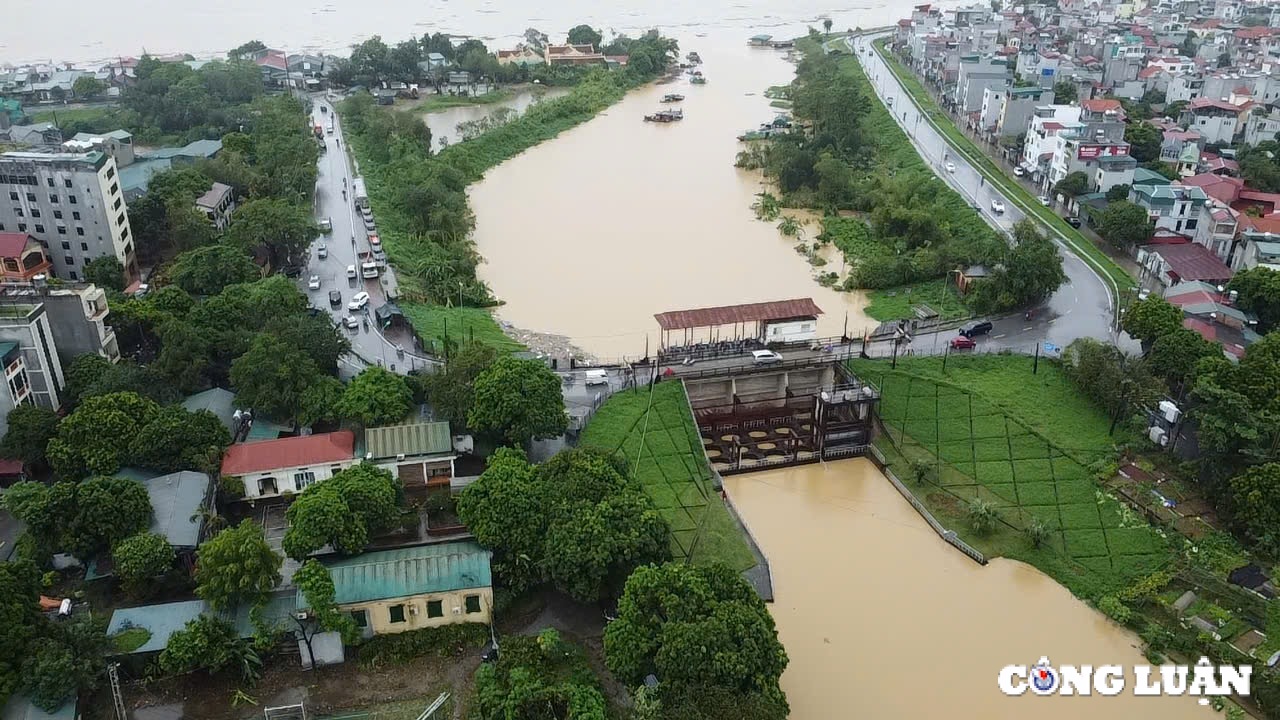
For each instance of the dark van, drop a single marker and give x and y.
(981, 328)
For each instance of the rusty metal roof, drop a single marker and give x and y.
(730, 314)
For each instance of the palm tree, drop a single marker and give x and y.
(826, 25)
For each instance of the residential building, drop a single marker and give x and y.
(1017, 108)
(1173, 207)
(217, 205)
(78, 320)
(975, 75)
(1217, 121)
(1185, 88)
(1212, 313)
(36, 135)
(1174, 262)
(393, 591)
(1261, 126)
(1176, 142)
(192, 152)
(23, 258)
(1047, 122)
(1217, 230)
(1258, 244)
(270, 468)
(520, 56)
(572, 55)
(1104, 120)
(17, 390)
(419, 454)
(117, 143)
(180, 504)
(35, 375)
(72, 204)
(1123, 57)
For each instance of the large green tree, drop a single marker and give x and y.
(694, 628)
(585, 35)
(20, 620)
(1150, 318)
(272, 377)
(139, 559)
(1175, 355)
(1031, 272)
(68, 658)
(1259, 293)
(518, 400)
(451, 389)
(30, 429)
(281, 228)
(108, 510)
(105, 272)
(376, 397)
(343, 512)
(96, 437)
(237, 567)
(323, 615)
(1124, 224)
(1064, 92)
(211, 644)
(575, 521)
(1255, 501)
(207, 270)
(1116, 382)
(1144, 141)
(176, 439)
(1073, 185)
(1237, 409)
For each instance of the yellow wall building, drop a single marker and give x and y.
(392, 591)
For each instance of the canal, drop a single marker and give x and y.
(882, 619)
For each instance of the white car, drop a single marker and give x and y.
(951, 167)
(313, 283)
(358, 301)
(1019, 171)
(351, 322)
(322, 251)
(351, 272)
(997, 207)
(765, 357)
(1044, 200)
(326, 225)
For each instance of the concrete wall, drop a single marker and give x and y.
(759, 386)
(378, 613)
(285, 481)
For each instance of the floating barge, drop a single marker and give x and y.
(665, 116)
(694, 58)
(673, 97)
(698, 79)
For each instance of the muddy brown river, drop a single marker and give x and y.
(882, 619)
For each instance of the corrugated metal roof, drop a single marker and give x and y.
(20, 708)
(161, 620)
(219, 401)
(175, 498)
(410, 439)
(730, 314)
(406, 572)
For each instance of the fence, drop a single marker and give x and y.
(948, 536)
(939, 345)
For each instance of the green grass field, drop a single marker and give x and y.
(1117, 278)
(69, 115)
(465, 323)
(435, 103)
(991, 429)
(898, 302)
(662, 447)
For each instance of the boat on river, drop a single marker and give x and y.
(694, 58)
(698, 80)
(672, 97)
(665, 116)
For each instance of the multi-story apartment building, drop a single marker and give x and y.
(27, 326)
(975, 76)
(1218, 121)
(77, 318)
(1172, 207)
(1047, 122)
(1017, 107)
(72, 204)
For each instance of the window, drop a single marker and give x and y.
(120, 219)
(75, 214)
(303, 479)
(1191, 224)
(473, 604)
(53, 198)
(435, 608)
(69, 260)
(39, 228)
(80, 231)
(17, 211)
(66, 183)
(84, 247)
(31, 197)
(57, 214)
(116, 205)
(361, 617)
(397, 613)
(22, 227)
(35, 212)
(49, 181)
(13, 195)
(124, 233)
(62, 229)
(72, 200)
(73, 275)
(115, 187)
(111, 172)
(66, 245)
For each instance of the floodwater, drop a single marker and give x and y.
(591, 234)
(444, 123)
(882, 619)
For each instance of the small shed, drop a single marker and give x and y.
(420, 454)
(177, 502)
(967, 276)
(389, 314)
(760, 40)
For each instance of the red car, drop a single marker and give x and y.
(962, 343)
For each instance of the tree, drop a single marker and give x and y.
(343, 512)
(207, 270)
(316, 585)
(1031, 272)
(1237, 410)
(826, 25)
(108, 510)
(1224, 60)
(320, 402)
(184, 359)
(105, 272)
(585, 35)
(20, 619)
(1259, 293)
(1064, 92)
(246, 50)
(376, 397)
(237, 567)
(176, 439)
(1144, 140)
(1073, 185)
(450, 390)
(1124, 224)
(282, 228)
(88, 87)
(211, 644)
(1112, 380)
(983, 516)
(82, 372)
(518, 400)
(272, 376)
(67, 659)
(1150, 318)
(1118, 192)
(1255, 501)
(314, 334)
(96, 437)
(575, 520)
(1175, 355)
(696, 628)
(30, 429)
(138, 559)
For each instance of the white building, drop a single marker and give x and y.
(269, 468)
(33, 370)
(1047, 123)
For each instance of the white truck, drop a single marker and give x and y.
(358, 192)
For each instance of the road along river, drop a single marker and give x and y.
(882, 619)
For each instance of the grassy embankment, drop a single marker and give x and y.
(1028, 443)
(1118, 280)
(413, 252)
(431, 102)
(74, 115)
(663, 450)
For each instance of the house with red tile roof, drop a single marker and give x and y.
(270, 468)
(572, 55)
(1209, 311)
(22, 257)
(1182, 262)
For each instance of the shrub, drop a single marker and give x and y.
(983, 516)
(1037, 533)
(444, 641)
(1114, 608)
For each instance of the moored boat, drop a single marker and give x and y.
(698, 80)
(672, 97)
(665, 116)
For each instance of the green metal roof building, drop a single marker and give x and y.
(409, 440)
(408, 572)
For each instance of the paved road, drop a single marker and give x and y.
(1080, 308)
(335, 175)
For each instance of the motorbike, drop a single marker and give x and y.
(344, 193)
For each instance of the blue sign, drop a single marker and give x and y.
(1051, 348)
(1047, 72)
